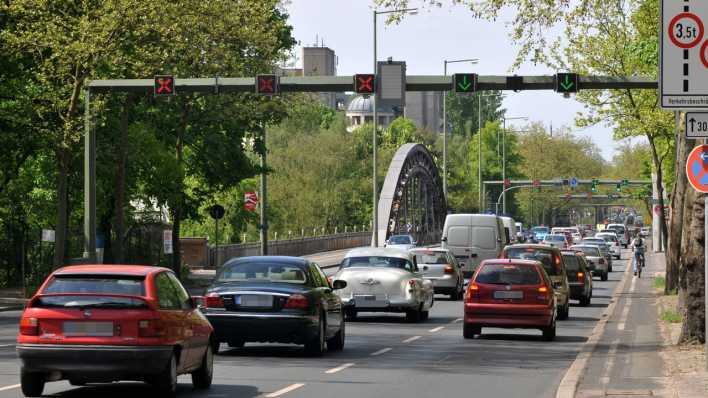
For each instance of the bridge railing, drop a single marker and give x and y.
(292, 247)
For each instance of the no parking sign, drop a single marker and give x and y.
(697, 168)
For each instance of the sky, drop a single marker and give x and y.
(424, 41)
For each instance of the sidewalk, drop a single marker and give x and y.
(634, 358)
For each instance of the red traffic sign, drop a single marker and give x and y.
(536, 183)
(365, 83)
(250, 201)
(164, 85)
(682, 32)
(507, 183)
(697, 168)
(267, 84)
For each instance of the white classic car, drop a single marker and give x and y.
(384, 280)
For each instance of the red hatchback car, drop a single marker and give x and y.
(508, 293)
(104, 323)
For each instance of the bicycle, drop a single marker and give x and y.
(639, 258)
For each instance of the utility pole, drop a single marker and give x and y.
(375, 206)
(264, 197)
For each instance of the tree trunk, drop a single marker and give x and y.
(692, 272)
(62, 225)
(177, 207)
(673, 247)
(122, 161)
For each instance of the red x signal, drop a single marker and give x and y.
(164, 85)
(364, 83)
(267, 84)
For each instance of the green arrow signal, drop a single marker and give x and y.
(567, 84)
(465, 84)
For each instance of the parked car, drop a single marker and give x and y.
(604, 249)
(552, 261)
(275, 299)
(596, 262)
(384, 280)
(473, 238)
(539, 233)
(622, 233)
(105, 323)
(510, 294)
(556, 240)
(579, 277)
(612, 241)
(441, 268)
(403, 242)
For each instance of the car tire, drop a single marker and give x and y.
(166, 382)
(413, 316)
(350, 314)
(32, 383)
(609, 269)
(202, 377)
(549, 332)
(585, 300)
(469, 330)
(336, 343)
(316, 346)
(236, 343)
(424, 315)
(215, 346)
(604, 276)
(564, 311)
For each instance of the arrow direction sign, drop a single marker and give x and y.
(696, 125)
(567, 82)
(465, 82)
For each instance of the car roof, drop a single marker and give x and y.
(270, 259)
(513, 261)
(379, 251)
(423, 250)
(109, 269)
(531, 246)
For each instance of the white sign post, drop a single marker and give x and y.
(696, 125)
(683, 64)
(167, 241)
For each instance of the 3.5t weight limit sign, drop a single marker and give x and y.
(683, 75)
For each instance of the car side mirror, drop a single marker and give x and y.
(197, 301)
(425, 268)
(339, 284)
(444, 239)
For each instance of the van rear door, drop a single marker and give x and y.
(484, 246)
(459, 243)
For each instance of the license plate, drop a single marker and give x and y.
(254, 300)
(369, 301)
(88, 329)
(506, 295)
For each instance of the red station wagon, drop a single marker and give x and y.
(104, 323)
(508, 293)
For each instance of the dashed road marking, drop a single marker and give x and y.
(410, 339)
(340, 368)
(6, 345)
(457, 320)
(12, 387)
(381, 351)
(437, 329)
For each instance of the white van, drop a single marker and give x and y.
(473, 238)
(509, 229)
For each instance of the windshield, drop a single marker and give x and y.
(508, 274)
(540, 230)
(619, 229)
(571, 262)
(543, 255)
(400, 240)
(92, 289)
(589, 251)
(431, 258)
(263, 271)
(377, 261)
(555, 238)
(609, 238)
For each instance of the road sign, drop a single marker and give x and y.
(465, 82)
(566, 82)
(515, 83)
(365, 83)
(683, 65)
(48, 235)
(507, 183)
(697, 168)
(167, 241)
(250, 201)
(164, 85)
(217, 212)
(536, 183)
(573, 182)
(392, 81)
(267, 84)
(696, 124)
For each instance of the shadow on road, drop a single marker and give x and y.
(140, 390)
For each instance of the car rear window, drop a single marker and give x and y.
(508, 274)
(589, 251)
(263, 272)
(544, 256)
(555, 238)
(571, 262)
(377, 261)
(431, 258)
(399, 240)
(91, 291)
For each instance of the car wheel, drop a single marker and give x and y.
(413, 315)
(336, 343)
(166, 382)
(316, 346)
(604, 276)
(32, 383)
(469, 330)
(202, 377)
(585, 300)
(350, 314)
(609, 269)
(236, 343)
(215, 346)
(564, 311)
(424, 315)
(549, 333)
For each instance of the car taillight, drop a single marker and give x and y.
(29, 327)
(542, 294)
(411, 282)
(213, 300)
(297, 301)
(602, 261)
(449, 269)
(472, 292)
(151, 328)
(581, 276)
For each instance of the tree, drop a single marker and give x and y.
(463, 113)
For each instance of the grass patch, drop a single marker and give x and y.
(670, 316)
(659, 283)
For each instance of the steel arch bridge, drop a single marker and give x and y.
(412, 200)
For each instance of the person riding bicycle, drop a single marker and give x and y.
(638, 246)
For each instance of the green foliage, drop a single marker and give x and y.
(463, 113)
(670, 316)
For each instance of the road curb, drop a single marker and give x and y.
(569, 384)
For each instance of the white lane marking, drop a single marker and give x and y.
(381, 351)
(12, 387)
(410, 339)
(340, 368)
(632, 286)
(437, 329)
(6, 345)
(627, 304)
(610, 364)
(285, 390)
(457, 320)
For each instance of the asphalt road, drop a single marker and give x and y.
(383, 357)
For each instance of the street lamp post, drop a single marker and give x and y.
(504, 153)
(479, 139)
(445, 62)
(375, 224)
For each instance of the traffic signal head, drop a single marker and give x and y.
(619, 187)
(594, 185)
(566, 82)
(365, 83)
(465, 82)
(267, 84)
(625, 182)
(164, 85)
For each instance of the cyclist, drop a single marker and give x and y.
(638, 246)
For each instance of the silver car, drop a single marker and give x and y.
(596, 261)
(612, 241)
(403, 242)
(604, 248)
(384, 280)
(441, 268)
(556, 240)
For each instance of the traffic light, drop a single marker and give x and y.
(619, 187)
(267, 84)
(515, 83)
(465, 82)
(594, 185)
(566, 82)
(625, 182)
(164, 85)
(365, 83)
